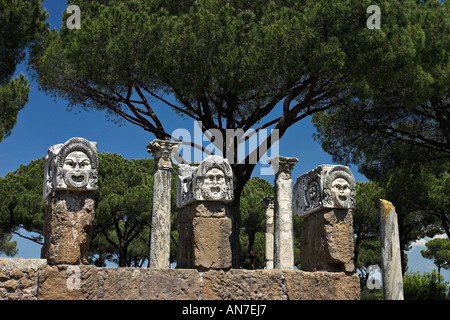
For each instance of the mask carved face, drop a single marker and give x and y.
(214, 184)
(340, 192)
(76, 169)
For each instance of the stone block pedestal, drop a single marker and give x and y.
(68, 226)
(204, 236)
(327, 241)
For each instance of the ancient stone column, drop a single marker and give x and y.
(70, 182)
(204, 220)
(283, 216)
(324, 198)
(269, 203)
(160, 230)
(391, 265)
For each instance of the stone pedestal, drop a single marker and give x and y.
(324, 198)
(205, 224)
(391, 264)
(160, 231)
(283, 216)
(69, 218)
(327, 241)
(269, 203)
(70, 181)
(204, 236)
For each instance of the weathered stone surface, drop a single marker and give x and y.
(329, 286)
(212, 247)
(391, 265)
(18, 280)
(327, 186)
(16, 274)
(24, 265)
(237, 284)
(269, 203)
(68, 282)
(205, 209)
(69, 219)
(160, 235)
(283, 216)
(10, 285)
(149, 284)
(212, 180)
(71, 166)
(327, 241)
(204, 236)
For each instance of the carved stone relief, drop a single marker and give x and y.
(212, 180)
(327, 186)
(71, 166)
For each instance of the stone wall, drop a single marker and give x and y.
(18, 278)
(31, 279)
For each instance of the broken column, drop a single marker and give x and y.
(391, 264)
(160, 230)
(204, 221)
(70, 182)
(324, 197)
(283, 215)
(269, 203)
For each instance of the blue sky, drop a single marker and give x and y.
(45, 121)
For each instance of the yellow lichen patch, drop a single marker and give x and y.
(387, 206)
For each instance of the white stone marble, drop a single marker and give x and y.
(269, 203)
(162, 151)
(391, 265)
(327, 186)
(212, 180)
(283, 215)
(71, 166)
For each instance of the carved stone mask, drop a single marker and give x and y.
(312, 193)
(340, 192)
(76, 169)
(214, 184)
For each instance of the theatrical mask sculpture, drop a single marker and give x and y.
(327, 186)
(71, 166)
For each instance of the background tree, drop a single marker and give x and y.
(425, 286)
(7, 246)
(21, 205)
(227, 64)
(438, 250)
(253, 221)
(407, 121)
(21, 22)
(366, 222)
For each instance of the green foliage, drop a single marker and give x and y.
(406, 121)
(438, 250)
(7, 246)
(124, 207)
(253, 223)
(371, 294)
(426, 286)
(21, 22)
(13, 97)
(227, 63)
(21, 204)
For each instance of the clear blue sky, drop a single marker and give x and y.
(45, 122)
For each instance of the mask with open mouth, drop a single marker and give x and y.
(214, 184)
(76, 169)
(340, 192)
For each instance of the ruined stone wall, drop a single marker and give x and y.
(18, 278)
(31, 279)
